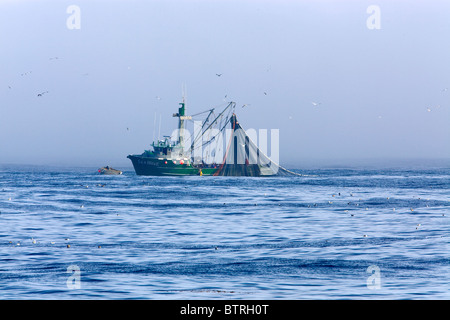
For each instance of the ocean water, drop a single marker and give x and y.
(337, 233)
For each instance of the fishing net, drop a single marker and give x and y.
(244, 158)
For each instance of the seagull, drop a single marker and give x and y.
(265, 93)
(315, 104)
(428, 109)
(42, 93)
(218, 74)
(245, 105)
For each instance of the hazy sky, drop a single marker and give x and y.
(381, 80)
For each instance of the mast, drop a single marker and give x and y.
(181, 117)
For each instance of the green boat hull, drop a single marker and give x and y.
(147, 166)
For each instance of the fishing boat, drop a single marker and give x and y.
(241, 157)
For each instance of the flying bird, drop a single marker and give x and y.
(42, 93)
(315, 104)
(218, 74)
(245, 105)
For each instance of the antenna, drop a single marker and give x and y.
(154, 127)
(159, 132)
(183, 92)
